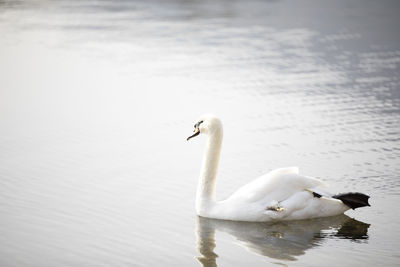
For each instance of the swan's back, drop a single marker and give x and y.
(276, 185)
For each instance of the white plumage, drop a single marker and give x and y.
(282, 194)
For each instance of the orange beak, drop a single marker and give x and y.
(196, 133)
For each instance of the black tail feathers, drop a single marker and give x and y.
(353, 200)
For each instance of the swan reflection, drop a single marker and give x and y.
(279, 240)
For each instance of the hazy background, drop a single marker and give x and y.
(97, 99)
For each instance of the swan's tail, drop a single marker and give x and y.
(353, 200)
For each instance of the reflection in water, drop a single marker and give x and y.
(279, 240)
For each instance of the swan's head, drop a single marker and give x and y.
(206, 124)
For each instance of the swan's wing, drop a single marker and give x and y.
(303, 205)
(276, 185)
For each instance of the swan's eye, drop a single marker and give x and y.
(197, 125)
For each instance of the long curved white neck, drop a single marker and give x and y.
(205, 197)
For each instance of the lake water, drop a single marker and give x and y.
(97, 99)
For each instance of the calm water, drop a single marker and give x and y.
(97, 98)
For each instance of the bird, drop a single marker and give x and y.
(279, 195)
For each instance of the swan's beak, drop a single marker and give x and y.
(196, 133)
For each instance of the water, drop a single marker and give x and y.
(98, 97)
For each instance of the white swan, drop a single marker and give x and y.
(282, 194)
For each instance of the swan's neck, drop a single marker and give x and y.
(205, 197)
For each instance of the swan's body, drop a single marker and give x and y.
(282, 194)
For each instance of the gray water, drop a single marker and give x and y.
(98, 97)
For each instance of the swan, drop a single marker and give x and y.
(282, 194)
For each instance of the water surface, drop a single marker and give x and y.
(97, 99)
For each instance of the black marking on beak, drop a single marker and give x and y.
(193, 135)
(196, 130)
